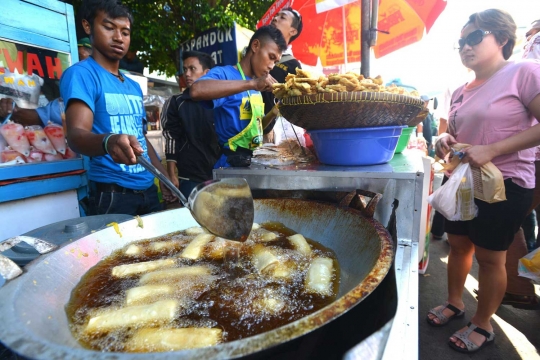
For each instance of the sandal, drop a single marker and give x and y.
(443, 319)
(526, 302)
(470, 346)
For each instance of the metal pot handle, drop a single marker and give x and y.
(8, 269)
(363, 201)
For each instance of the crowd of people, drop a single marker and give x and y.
(217, 131)
(217, 121)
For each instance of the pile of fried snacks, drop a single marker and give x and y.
(304, 83)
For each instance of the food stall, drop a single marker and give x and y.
(355, 123)
(36, 47)
(403, 179)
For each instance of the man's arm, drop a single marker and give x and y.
(153, 156)
(79, 119)
(170, 121)
(25, 117)
(209, 89)
(171, 171)
(215, 89)
(172, 126)
(270, 116)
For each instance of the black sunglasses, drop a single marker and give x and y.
(473, 38)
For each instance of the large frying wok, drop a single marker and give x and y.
(34, 322)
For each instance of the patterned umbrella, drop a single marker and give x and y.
(332, 27)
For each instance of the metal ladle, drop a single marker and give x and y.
(224, 207)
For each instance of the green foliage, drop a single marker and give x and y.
(161, 26)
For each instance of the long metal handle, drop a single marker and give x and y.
(148, 166)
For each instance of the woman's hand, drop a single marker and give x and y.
(444, 144)
(479, 155)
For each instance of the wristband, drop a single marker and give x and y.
(105, 142)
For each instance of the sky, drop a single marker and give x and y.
(432, 64)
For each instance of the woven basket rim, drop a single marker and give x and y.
(350, 110)
(351, 96)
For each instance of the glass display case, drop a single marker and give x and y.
(38, 186)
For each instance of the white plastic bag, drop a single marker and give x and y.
(455, 199)
(24, 89)
(529, 266)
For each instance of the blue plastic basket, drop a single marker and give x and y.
(358, 146)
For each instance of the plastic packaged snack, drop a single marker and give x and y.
(37, 137)
(529, 266)
(56, 135)
(15, 137)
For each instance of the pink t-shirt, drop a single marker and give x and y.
(496, 110)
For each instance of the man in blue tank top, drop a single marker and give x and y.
(105, 117)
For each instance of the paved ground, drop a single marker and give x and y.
(517, 331)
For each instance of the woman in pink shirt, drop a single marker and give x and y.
(494, 113)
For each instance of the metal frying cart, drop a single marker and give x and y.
(401, 179)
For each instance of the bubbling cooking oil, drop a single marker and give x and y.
(234, 296)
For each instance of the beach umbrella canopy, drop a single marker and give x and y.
(332, 27)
